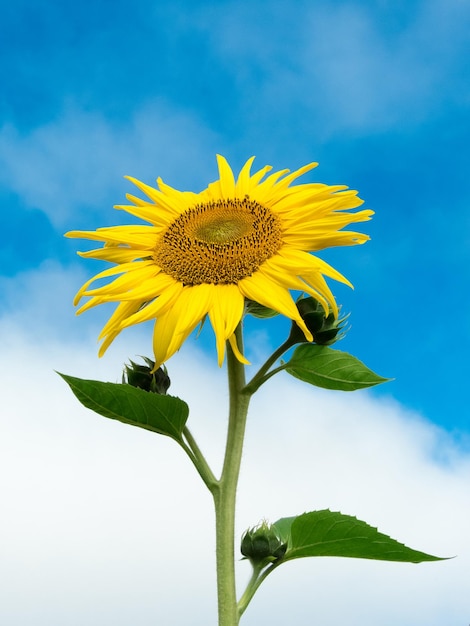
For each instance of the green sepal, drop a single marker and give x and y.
(331, 369)
(146, 377)
(328, 533)
(262, 544)
(166, 415)
(259, 310)
(326, 329)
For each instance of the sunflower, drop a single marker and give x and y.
(208, 253)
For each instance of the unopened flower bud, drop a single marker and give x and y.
(326, 329)
(262, 543)
(145, 378)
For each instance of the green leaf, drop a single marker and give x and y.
(161, 414)
(331, 369)
(327, 533)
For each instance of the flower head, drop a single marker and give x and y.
(205, 253)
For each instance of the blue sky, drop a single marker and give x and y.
(376, 92)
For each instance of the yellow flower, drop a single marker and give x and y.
(205, 253)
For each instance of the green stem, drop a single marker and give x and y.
(194, 452)
(257, 578)
(261, 375)
(249, 591)
(225, 493)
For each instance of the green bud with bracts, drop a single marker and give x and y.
(326, 329)
(262, 544)
(145, 378)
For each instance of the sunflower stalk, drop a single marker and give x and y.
(225, 494)
(224, 490)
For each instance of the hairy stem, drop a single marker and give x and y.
(225, 493)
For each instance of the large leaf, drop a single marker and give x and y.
(331, 369)
(162, 414)
(327, 533)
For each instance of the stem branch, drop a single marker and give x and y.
(262, 375)
(259, 574)
(194, 452)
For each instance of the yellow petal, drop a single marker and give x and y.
(181, 200)
(168, 295)
(177, 322)
(227, 180)
(225, 315)
(233, 343)
(243, 181)
(115, 254)
(114, 324)
(246, 183)
(289, 281)
(143, 237)
(112, 271)
(122, 286)
(300, 262)
(158, 216)
(260, 288)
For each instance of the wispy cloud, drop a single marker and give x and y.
(347, 66)
(75, 164)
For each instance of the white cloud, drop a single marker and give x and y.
(77, 162)
(103, 523)
(346, 66)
